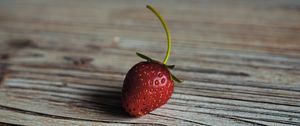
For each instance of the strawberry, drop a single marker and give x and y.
(148, 84)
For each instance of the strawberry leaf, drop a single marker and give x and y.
(171, 66)
(143, 56)
(176, 79)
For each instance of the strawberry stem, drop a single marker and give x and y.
(166, 29)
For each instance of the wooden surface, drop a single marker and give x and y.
(63, 61)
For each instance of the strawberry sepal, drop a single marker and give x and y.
(144, 56)
(171, 66)
(168, 66)
(176, 79)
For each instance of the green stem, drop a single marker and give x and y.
(167, 32)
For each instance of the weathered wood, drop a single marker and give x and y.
(63, 62)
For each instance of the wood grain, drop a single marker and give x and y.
(62, 62)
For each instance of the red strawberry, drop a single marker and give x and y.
(148, 85)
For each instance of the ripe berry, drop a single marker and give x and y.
(148, 84)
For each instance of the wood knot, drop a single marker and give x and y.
(93, 47)
(3, 66)
(21, 43)
(3, 72)
(79, 61)
(4, 56)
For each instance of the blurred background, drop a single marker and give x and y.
(223, 32)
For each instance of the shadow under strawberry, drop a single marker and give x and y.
(108, 103)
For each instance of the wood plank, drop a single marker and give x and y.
(62, 62)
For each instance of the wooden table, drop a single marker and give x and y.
(62, 62)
